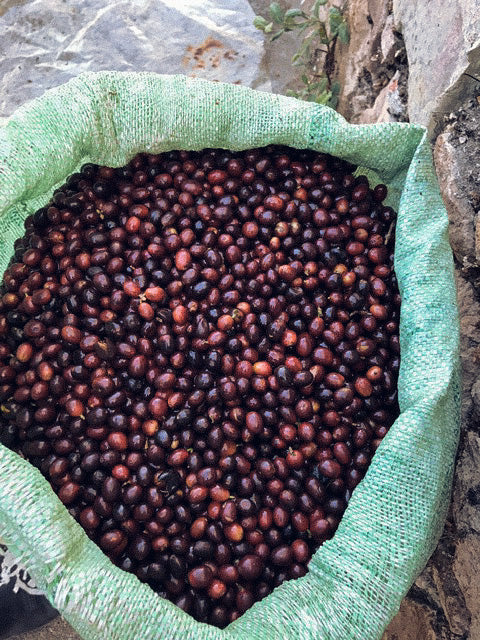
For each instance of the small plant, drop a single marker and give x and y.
(316, 54)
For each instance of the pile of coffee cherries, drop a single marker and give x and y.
(200, 353)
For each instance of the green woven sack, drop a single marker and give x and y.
(357, 579)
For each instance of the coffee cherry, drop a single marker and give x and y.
(250, 567)
(200, 351)
(200, 577)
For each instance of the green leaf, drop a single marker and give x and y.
(293, 13)
(343, 32)
(316, 7)
(322, 84)
(303, 26)
(335, 19)
(335, 88)
(314, 33)
(321, 32)
(323, 98)
(260, 23)
(276, 12)
(306, 53)
(302, 50)
(277, 35)
(332, 101)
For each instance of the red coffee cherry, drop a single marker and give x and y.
(200, 352)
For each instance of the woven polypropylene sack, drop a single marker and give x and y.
(357, 579)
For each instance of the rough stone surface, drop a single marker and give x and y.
(476, 400)
(460, 212)
(276, 64)
(389, 105)
(372, 69)
(463, 126)
(466, 569)
(443, 42)
(412, 623)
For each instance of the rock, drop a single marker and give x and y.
(465, 568)
(469, 312)
(208, 39)
(452, 602)
(458, 178)
(276, 66)
(449, 164)
(443, 42)
(388, 41)
(388, 105)
(371, 69)
(425, 588)
(466, 495)
(412, 622)
(476, 399)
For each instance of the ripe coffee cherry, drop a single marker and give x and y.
(200, 577)
(250, 567)
(199, 350)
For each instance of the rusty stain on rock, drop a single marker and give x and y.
(207, 54)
